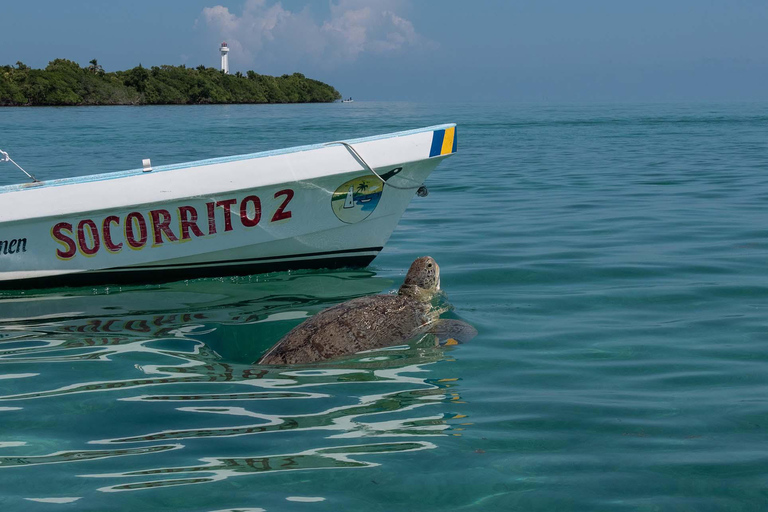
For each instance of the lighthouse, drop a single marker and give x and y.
(224, 49)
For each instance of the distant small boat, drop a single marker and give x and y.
(348, 100)
(321, 206)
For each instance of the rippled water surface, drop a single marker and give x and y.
(613, 259)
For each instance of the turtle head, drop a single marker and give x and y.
(423, 279)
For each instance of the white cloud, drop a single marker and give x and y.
(265, 31)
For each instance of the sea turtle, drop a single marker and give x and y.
(373, 322)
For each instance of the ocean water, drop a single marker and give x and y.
(612, 257)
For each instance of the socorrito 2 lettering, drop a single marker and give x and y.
(136, 229)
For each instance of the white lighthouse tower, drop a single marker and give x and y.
(224, 49)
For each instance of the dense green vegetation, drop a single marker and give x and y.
(64, 82)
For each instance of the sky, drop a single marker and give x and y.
(425, 50)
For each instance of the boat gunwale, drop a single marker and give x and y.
(211, 161)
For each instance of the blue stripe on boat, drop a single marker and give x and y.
(437, 143)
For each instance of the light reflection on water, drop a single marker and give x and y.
(172, 368)
(215, 469)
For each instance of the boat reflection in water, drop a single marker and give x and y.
(171, 368)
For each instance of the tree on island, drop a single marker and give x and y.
(95, 67)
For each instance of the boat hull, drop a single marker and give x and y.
(306, 208)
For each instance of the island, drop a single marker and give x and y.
(65, 83)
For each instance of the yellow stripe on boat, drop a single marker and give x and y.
(447, 148)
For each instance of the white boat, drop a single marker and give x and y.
(322, 206)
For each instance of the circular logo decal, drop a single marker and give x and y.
(356, 199)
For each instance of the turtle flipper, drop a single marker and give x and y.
(452, 332)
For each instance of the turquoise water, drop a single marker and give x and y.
(612, 258)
